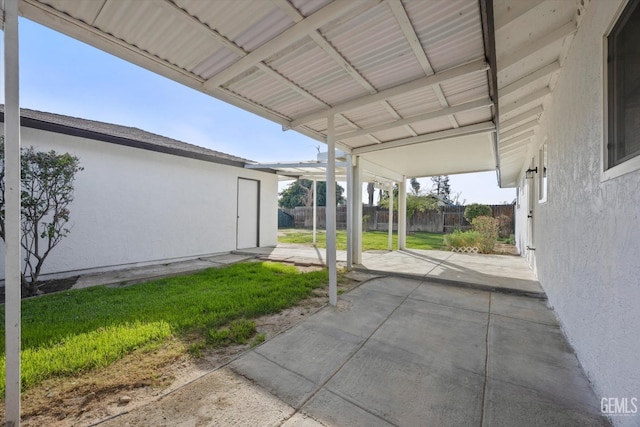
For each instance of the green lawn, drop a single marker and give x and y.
(370, 239)
(77, 330)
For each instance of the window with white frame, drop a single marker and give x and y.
(542, 173)
(623, 87)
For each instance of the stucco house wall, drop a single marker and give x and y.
(587, 233)
(136, 206)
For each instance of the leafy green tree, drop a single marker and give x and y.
(46, 193)
(415, 202)
(299, 193)
(475, 210)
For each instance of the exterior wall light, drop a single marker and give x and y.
(529, 172)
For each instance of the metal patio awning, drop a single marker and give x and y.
(408, 81)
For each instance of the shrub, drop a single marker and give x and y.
(475, 210)
(504, 226)
(487, 227)
(460, 239)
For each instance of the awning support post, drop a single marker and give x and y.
(315, 203)
(402, 214)
(390, 244)
(357, 210)
(12, 213)
(349, 213)
(331, 212)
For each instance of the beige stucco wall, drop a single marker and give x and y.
(135, 206)
(587, 234)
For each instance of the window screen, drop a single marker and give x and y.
(624, 86)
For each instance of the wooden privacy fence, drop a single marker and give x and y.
(443, 220)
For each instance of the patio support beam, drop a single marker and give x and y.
(477, 128)
(402, 214)
(535, 97)
(530, 78)
(523, 117)
(468, 106)
(534, 46)
(12, 214)
(519, 130)
(390, 244)
(331, 211)
(420, 83)
(349, 213)
(315, 202)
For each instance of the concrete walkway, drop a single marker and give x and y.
(158, 271)
(502, 273)
(398, 352)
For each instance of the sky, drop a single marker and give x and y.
(61, 75)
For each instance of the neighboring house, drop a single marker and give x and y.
(578, 209)
(144, 198)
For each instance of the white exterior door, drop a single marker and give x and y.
(248, 213)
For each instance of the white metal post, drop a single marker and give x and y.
(357, 210)
(349, 213)
(402, 213)
(331, 212)
(390, 245)
(315, 202)
(12, 213)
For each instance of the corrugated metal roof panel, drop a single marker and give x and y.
(307, 7)
(474, 116)
(271, 24)
(215, 63)
(433, 125)
(375, 45)
(465, 84)
(248, 23)
(393, 134)
(370, 115)
(450, 30)
(85, 11)
(312, 69)
(157, 29)
(417, 102)
(341, 126)
(266, 90)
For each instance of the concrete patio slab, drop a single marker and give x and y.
(437, 335)
(404, 353)
(334, 410)
(396, 387)
(441, 356)
(470, 299)
(501, 273)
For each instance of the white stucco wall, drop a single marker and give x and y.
(587, 234)
(135, 206)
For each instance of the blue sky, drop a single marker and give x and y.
(61, 75)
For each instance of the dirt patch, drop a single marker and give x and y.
(49, 286)
(147, 374)
(506, 249)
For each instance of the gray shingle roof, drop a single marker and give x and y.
(122, 135)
